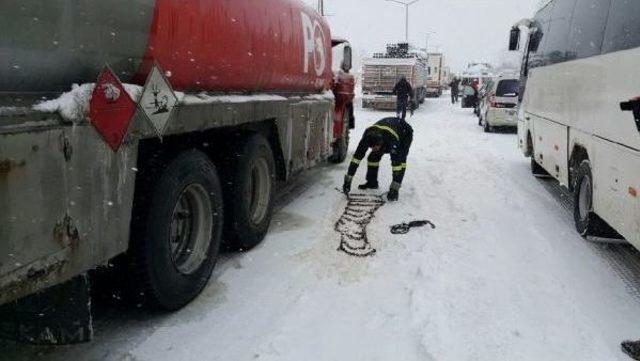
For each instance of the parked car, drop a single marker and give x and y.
(483, 94)
(498, 107)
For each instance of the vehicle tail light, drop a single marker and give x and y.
(492, 101)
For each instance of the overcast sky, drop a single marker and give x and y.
(465, 30)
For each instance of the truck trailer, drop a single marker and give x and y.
(184, 121)
(381, 73)
(436, 75)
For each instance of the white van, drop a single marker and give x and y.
(580, 117)
(498, 108)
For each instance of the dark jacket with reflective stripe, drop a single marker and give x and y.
(397, 136)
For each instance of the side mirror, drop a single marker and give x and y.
(535, 40)
(347, 59)
(514, 39)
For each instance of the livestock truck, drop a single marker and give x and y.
(186, 118)
(381, 73)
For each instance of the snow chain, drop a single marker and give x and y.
(353, 223)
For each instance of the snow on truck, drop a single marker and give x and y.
(175, 150)
(381, 73)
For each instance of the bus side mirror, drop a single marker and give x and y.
(514, 39)
(347, 59)
(536, 38)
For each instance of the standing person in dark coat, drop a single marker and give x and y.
(455, 90)
(391, 136)
(404, 93)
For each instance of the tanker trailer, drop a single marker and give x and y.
(185, 119)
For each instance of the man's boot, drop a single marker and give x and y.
(368, 185)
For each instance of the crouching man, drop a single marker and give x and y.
(391, 136)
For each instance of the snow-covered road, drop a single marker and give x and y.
(504, 276)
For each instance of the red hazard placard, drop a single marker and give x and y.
(111, 109)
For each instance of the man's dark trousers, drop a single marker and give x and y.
(401, 107)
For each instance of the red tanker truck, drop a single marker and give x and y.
(185, 119)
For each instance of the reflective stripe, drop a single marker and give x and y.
(372, 164)
(355, 161)
(398, 168)
(404, 165)
(393, 132)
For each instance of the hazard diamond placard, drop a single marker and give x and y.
(158, 100)
(111, 109)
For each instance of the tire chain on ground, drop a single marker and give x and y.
(353, 223)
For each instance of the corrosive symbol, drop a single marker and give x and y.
(353, 223)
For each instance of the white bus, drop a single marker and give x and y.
(579, 117)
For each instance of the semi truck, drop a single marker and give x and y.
(436, 75)
(381, 73)
(184, 121)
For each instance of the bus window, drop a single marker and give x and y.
(623, 27)
(556, 48)
(587, 29)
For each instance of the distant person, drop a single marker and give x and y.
(404, 93)
(475, 85)
(455, 90)
(391, 136)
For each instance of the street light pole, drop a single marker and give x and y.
(406, 10)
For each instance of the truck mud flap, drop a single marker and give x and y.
(60, 315)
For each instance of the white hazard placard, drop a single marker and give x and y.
(158, 100)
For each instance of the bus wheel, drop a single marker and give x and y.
(177, 230)
(249, 193)
(341, 146)
(587, 222)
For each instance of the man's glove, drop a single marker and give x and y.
(346, 186)
(394, 191)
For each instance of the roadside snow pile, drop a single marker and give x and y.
(73, 106)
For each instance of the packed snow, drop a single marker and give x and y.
(503, 276)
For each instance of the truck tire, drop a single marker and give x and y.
(587, 222)
(177, 230)
(341, 146)
(250, 189)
